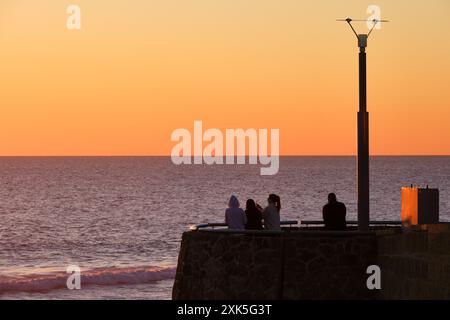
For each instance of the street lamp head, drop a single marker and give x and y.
(362, 38)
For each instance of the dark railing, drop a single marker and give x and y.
(372, 223)
(306, 223)
(213, 225)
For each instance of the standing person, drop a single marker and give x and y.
(254, 216)
(271, 213)
(334, 213)
(234, 216)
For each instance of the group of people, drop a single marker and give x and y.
(254, 217)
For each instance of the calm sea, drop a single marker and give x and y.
(120, 219)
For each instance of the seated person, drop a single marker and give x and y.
(254, 216)
(271, 213)
(334, 214)
(234, 216)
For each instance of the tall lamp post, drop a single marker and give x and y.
(363, 130)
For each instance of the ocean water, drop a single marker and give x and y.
(120, 219)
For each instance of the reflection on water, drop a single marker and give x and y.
(127, 212)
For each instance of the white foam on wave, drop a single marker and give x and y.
(98, 276)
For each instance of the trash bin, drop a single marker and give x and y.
(420, 206)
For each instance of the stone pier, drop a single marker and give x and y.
(314, 264)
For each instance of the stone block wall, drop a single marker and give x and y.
(312, 264)
(291, 265)
(415, 263)
(228, 266)
(327, 266)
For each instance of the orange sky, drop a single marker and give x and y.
(138, 69)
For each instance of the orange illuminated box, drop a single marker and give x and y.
(420, 206)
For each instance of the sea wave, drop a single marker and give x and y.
(100, 276)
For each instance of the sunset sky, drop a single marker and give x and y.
(139, 69)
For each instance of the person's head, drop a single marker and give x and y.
(234, 202)
(332, 197)
(250, 204)
(275, 200)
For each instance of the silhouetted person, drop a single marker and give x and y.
(271, 213)
(234, 216)
(334, 214)
(254, 215)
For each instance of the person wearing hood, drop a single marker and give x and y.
(234, 216)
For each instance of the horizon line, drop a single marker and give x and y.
(168, 156)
